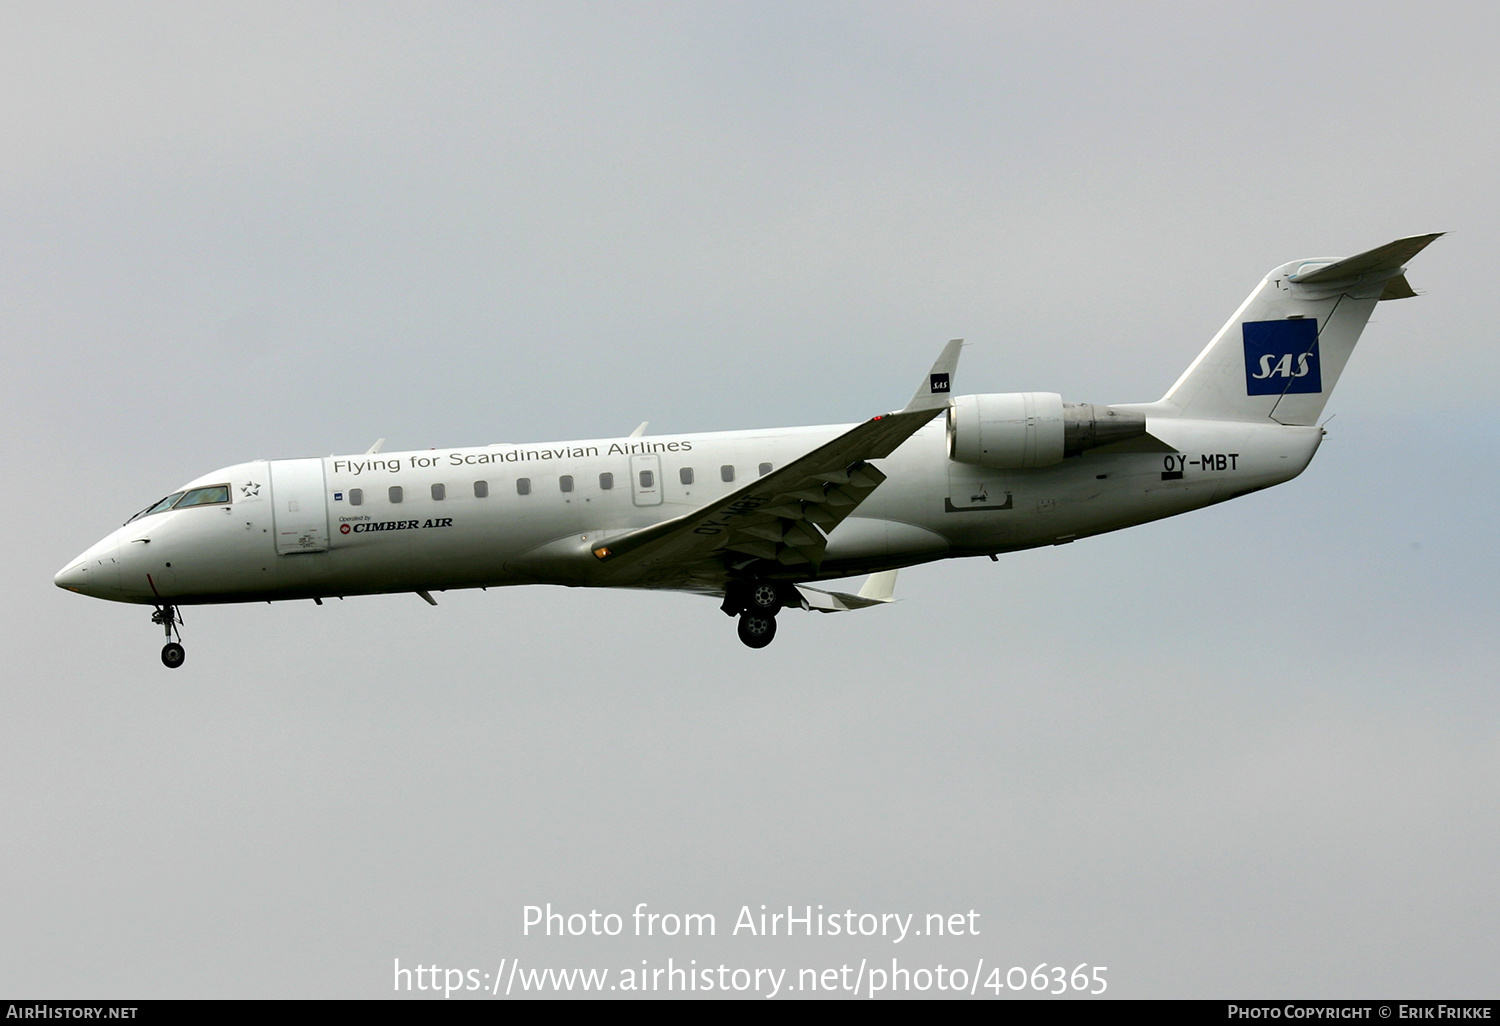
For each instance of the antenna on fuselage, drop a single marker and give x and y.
(638, 432)
(376, 447)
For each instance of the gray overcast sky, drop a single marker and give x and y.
(1248, 752)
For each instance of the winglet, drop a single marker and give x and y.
(878, 589)
(937, 386)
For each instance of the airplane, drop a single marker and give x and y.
(757, 518)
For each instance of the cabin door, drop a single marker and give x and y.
(299, 501)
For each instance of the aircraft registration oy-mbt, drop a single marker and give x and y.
(758, 518)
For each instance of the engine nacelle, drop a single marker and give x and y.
(1007, 431)
(1017, 430)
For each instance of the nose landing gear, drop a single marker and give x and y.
(172, 653)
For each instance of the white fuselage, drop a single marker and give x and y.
(525, 514)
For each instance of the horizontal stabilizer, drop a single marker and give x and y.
(1375, 263)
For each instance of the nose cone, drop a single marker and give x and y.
(95, 573)
(74, 576)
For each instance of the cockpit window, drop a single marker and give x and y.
(210, 496)
(204, 496)
(157, 507)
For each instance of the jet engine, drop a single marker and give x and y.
(1016, 430)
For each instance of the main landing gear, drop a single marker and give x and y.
(756, 603)
(172, 653)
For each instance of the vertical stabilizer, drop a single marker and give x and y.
(1282, 352)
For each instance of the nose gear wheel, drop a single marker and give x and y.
(169, 619)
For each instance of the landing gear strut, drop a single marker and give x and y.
(756, 603)
(172, 653)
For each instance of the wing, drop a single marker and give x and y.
(782, 518)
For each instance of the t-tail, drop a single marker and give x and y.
(1282, 352)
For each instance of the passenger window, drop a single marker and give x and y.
(395, 493)
(648, 479)
(439, 492)
(523, 486)
(481, 489)
(606, 482)
(565, 482)
(685, 475)
(765, 468)
(204, 496)
(356, 496)
(726, 473)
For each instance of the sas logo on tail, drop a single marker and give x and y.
(1281, 357)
